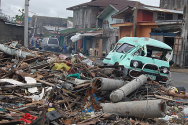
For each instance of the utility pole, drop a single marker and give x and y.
(34, 25)
(26, 24)
(135, 19)
(184, 32)
(0, 8)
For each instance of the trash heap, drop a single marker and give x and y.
(49, 88)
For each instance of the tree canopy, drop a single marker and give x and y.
(20, 17)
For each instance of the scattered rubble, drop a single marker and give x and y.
(39, 87)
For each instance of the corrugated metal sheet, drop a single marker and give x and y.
(118, 4)
(162, 10)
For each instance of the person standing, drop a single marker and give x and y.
(37, 43)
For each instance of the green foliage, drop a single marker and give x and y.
(20, 17)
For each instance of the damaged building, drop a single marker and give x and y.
(97, 14)
(45, 25)
(10, 31)
(172, 4)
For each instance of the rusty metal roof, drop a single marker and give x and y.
(161, 10)
(118, 4)
(129, 9)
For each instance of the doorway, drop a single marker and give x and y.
(169, 41)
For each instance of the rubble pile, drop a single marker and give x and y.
(50, 88)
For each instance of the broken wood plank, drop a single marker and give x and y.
(7, 87)
(29, 104)
(11, 123)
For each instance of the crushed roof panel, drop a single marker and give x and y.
(162, 10)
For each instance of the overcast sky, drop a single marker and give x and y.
(52, 8)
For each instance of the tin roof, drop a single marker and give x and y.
(118, 4)
(160, 10)
(129, 9)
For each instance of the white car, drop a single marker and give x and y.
(50, 43)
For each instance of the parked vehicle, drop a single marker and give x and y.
(140, 55)
(50, 43)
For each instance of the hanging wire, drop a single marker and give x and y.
(8, 7)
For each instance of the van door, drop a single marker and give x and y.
(122, 51)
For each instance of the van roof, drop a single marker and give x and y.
(141, 41)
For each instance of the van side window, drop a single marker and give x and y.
(158, 53)
(139, 52)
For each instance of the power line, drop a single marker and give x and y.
(8, 8)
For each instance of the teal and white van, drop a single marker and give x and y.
(140, 55)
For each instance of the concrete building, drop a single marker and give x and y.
(43, 25)
(97, 14)
(85, 15)
(172, 4)
(10, 31)
(180, 5)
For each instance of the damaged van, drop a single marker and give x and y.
(140, 55)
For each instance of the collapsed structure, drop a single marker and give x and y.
(50, 88)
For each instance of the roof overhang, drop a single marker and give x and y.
(131, 24)
(106, 11)
(169, 22)
(80, 36)
(123, 12)
(129, 9)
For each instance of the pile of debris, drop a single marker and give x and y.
(50, 88)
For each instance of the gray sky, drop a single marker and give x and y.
(52, 8)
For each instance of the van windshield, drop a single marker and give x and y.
(53, 41)
(125, 48)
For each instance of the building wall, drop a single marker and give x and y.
(147, 16)
(172, 4)
(142, 31)
(174, 16)
(10, 32)
(125, 31)
(110, 38)
(110, 19)
(42, 21)
(85, 17)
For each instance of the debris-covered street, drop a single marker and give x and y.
(49, 88)
(93, 62)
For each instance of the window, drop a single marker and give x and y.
(52, 41)
(77, 18)
(105, 24)
(119, 20)
(180, 16)
(139, 52)
(164, 16)
(161, 16)
(117, 46)
(158, 53)
(86, 16)
(125, 48)
(168, 17)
